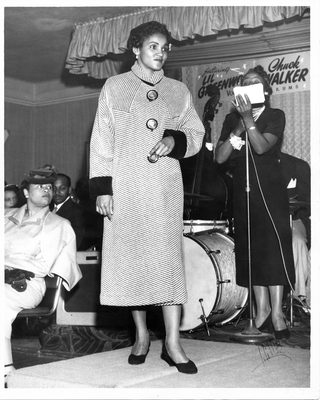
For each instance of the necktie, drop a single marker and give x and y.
(55, 209)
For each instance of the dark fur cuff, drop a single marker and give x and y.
(180, 141)
(100, 186)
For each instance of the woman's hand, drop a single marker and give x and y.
(163, 147)
(244, 106)
(104, 205)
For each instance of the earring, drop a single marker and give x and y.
(137, 56)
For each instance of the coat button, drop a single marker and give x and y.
(152, 95)
(152, 124)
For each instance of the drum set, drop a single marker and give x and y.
(214, 298)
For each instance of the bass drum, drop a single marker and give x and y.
(198, 225)
(211, 281)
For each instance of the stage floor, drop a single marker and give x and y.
(221, 367)
(29, 350)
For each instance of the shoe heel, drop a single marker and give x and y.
(270, 328)
(267, 324)
(165, 357)
(283, 334)
(137, 360)
(185, 368)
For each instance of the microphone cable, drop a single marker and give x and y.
(273, 224)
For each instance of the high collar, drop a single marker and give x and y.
(17, 217)
(153, 80)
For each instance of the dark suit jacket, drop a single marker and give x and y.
(296, 168)
(75, 214)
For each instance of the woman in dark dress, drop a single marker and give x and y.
(270, 234)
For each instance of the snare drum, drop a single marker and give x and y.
(211, 281)
(198, 225)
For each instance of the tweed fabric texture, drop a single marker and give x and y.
(142, 245)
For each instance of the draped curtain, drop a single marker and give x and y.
(94, 41)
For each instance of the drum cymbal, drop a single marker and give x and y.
(196, 196)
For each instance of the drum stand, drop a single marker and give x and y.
(250, 335)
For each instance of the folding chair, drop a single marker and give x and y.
(49, 302)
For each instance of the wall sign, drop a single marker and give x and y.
(288, 73)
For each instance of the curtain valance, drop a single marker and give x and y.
(96, 39)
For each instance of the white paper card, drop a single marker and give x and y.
(254, 92)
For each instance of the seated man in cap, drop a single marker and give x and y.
(37, 243)
(67, 208)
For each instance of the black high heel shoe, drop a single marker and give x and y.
(283, 333)
(267, 323)
(137, 360)
(184, 368)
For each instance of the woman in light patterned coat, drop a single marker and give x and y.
(145, 123)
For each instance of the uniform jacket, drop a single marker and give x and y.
(57, 245)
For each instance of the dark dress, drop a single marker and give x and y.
(270, 231)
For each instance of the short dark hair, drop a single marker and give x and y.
(25, 185)
(12, 188)
(139, 34)
(60, 175)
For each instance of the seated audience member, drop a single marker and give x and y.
(11, 196)
(94, 220)
(37, 243)
(67, 208)
(297, 178)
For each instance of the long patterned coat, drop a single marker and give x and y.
(142, 245)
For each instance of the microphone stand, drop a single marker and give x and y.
(250, 335)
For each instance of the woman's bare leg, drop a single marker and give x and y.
(276, 295)
(261, 294)
(141, 344)
(171, 316)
